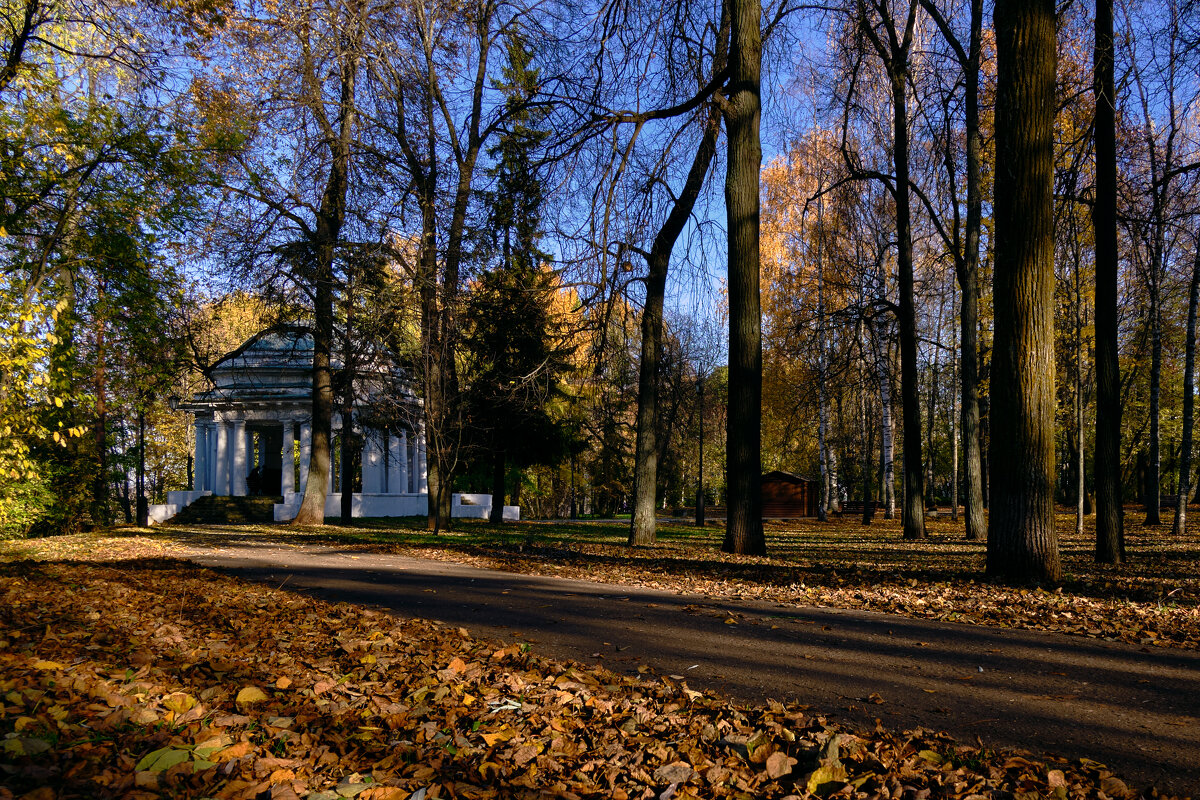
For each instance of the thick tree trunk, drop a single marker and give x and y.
(1189, 401)
(312, 506)
(744, 531)
(642, 524)
(1022, 540)
(1110, 514)
(645, 465)
(910, 396)
(329, 219)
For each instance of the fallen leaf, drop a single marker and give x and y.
(250, 695)
(779, 764)
(675, 772)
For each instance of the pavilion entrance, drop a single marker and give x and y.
(264, 446)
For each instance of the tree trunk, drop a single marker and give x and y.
(101, 509)
(1154, 464)
(968, 280)
(910, 396)
(1110, 522)
(931, 411)
(645, 482)
(143, 512)
(864, 429)
(1080, 444)
(887, 491)
(1189, 401)
(953, 435)
(1022, 541)
(824, 502)
(700, 465)
(744, 531)
(499, 468)
(329, 218)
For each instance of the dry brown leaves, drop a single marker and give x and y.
(154, 678)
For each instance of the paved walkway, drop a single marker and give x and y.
(1135, 709)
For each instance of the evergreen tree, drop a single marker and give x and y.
(511, 338)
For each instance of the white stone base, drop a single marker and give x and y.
(479, 506)
(463, 506)
(176, 502)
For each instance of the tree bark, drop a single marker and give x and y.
(744, 531)
(1022, 540)
(1110, 514)
(1189, 401)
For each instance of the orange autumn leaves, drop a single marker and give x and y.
(152, 678)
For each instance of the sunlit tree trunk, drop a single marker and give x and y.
(1022, 540)
(330, 216)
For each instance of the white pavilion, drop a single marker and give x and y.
(253, 433)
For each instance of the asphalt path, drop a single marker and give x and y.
(1135, 709)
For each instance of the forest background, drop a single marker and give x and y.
(520, 205)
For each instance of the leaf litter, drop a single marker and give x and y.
(157, 678)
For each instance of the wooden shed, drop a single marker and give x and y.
(788, 495)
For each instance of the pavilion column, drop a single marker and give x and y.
(200, 467)
(331, 485)
(422, 477)
(212, 457)
(305, 453)
(397, 474)
(373, 469)
(287, 458)
(237, 466)
(221, 485)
